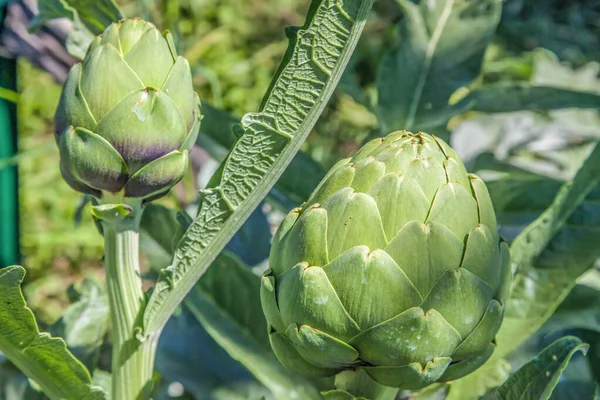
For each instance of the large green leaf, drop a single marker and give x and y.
(227, 303)
(298, 180)
(42, 358)
(440, 50)
(536, 379)
(304, 82)
(498, 98)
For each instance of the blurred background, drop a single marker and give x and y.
(234, 47)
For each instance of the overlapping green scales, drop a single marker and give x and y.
(131, 100)
(393, 265)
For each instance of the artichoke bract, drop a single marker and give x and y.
(128, 114)
(394, 265)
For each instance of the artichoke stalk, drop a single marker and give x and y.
(127, 118)
(128, 114)
(394, 266)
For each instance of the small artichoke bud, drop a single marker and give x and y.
(394, 265)
(128, 114)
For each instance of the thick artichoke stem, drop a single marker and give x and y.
(132, 360)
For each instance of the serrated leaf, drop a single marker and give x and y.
(498, 98)
(304, 82)
(297, 181)
(161, 229)
(42, 358)
(227, 303)
(536, 379)
(440, 50)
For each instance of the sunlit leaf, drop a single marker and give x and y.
(42, 358)
(440, 50)
(536, 379)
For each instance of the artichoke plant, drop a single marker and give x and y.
(128, 114)
(394, 265)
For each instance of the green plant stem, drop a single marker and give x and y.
(132, 360)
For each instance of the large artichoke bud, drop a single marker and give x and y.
(393, 265)
(128, 114)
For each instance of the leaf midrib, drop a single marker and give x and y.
(424, 73)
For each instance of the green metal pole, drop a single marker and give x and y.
(9, 205)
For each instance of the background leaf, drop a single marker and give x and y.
(227, 303)
(95, 15)
(523, 96)
(533, 240)
(440, 50)
(537, 379)
(42, 358)
(473, 386)
(187, 354)
(90, 18)
(160, 231)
